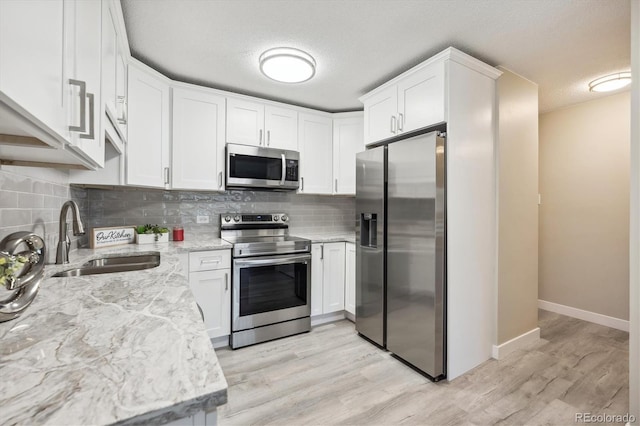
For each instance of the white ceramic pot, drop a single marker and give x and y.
(152, 238)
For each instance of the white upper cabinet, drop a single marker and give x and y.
(380, 118)
(148, 150)
(254, 123)
(413, 100)
(421, 98)
(83, 24)
(114, 71)
(281, 127)
(198, 140)
(32, 54)
(109, 59)
(348, 139)
(316, 154)
(50, 70)
(245, 122)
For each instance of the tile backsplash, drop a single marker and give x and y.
(310, 214)
(30, 200)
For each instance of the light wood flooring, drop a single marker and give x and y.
(332, 376)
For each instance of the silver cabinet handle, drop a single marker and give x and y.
(123, 118)
(400, 122)
(219, 179)
(268, 137)
(91, 133)
(301, 184)
(166, 176)
(336, 185)
(83, 106)
(260, 139)
(284, 169)
(393, 124)
(208, 261)
(226, 281)
(322, 252)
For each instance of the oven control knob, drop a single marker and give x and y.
(236, 218)
(276, 218)
(284, 218)
(227, 218)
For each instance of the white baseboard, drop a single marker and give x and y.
(218, 342)
(323, 319)
(569, 311)
(351, 317)
(500, 351)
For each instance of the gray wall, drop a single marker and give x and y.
(309, 213)
(30, 200)
(584, 216)
(517, 180)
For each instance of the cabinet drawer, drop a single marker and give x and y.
(209, 260)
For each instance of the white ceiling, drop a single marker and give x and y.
(359, 44)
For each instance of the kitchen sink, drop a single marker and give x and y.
(108, 265)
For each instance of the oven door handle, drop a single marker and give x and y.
(272, 260)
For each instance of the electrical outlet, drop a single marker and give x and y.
(202, 219)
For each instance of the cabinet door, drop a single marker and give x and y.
(316, 158)
(348, 139)
(121, 91)
(421, 98)
(31, 59)
(87, 43)
(380, 121)
(245, 122)
(281, 125)
(333, 289)
(148, 132)
(316, 279)
(198, 140)
(212, 292)
(109, 59)
(350, 279)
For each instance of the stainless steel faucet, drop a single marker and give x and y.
(62, 254)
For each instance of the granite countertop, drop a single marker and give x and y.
(328, 238)
(126, 348)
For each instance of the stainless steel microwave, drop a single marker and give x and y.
(258, 167)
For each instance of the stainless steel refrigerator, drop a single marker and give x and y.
(400, 250)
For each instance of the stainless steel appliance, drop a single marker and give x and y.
(271, 277)
(400, 258)
(259, 167)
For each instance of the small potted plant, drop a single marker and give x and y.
(146, 234)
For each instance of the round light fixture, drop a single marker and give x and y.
(610, 82)
(287, 65)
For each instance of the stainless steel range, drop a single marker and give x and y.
(271, 292)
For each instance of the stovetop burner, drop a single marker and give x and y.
(260, 234)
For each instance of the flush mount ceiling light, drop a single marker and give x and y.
(610, 82)
(287, 65)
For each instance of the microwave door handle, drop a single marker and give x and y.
(284, 169)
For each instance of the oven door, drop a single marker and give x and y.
(271, 289)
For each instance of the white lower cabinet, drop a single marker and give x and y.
(327, 277)
(210, 282)
(350, 279)
(213, 294)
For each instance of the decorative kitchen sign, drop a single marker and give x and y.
(106, 237)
